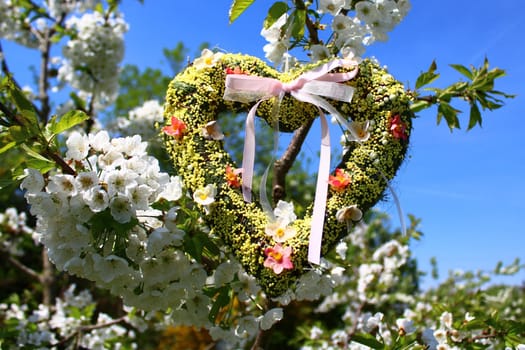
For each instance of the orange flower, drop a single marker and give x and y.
(176, 129)
(340, 181)
(398, 128)
(232, 177)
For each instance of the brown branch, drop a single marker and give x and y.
(59, 161)
(47, 279)
(283, 165)
(428, 98)
(25, 269)
(43, 82)
(82, 329)
(258, 343)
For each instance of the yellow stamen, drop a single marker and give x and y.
(277, 256)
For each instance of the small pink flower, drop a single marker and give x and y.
(176, 129)
(236, 70)
(398, 128)
(340, 180)
(278, 258)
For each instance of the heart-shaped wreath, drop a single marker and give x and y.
(276, 252)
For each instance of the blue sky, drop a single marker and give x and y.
(468, 187)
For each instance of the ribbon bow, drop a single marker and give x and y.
(308, 87)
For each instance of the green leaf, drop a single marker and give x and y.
(7, 146)
(19, 133)
(298, 24)
(237, 8)
(26, 113)
(450, 114)
(475, 116)
(193, 246)
(99, 8)
(463, 70)
(42, 165)
(428, 76)
(67, 121)
(79, 103)
(223, 299)
(32, 153)
(274, 13)
(368, 340)
(6, 179)
(207, 243)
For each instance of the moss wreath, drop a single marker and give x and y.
(195, 101)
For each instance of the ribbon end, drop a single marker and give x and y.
(314, 255)
(247, 193)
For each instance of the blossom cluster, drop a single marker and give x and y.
(93, 55)
(355, 25)
(278, 257)
(45, 326)
(13, 229)
(100, 223)
(141, 121)
(12, 25)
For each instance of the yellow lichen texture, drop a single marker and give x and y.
(196, 97)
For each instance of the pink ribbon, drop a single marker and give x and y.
(308, 87)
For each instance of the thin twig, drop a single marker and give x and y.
(25, 269)
(59, 161)
(82, 329)
(258, 343)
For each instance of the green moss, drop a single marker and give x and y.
(195, 97)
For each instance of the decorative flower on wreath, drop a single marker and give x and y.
(177, 129)
(398, 128)
(278, 258)
(340, 180)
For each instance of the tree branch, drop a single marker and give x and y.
(47, 278)
(59, 161)
(83, 329)
(283, 165)
(43, 83)
(25, 269)
(43, 80)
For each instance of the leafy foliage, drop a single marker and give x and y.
(477, 91)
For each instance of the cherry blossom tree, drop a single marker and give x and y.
(113, 224)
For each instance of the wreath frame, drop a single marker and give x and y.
(195, 97)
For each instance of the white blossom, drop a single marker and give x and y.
(33, 181)
(271, 317)
(285, 212)
(78, 146)
(173, 190)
